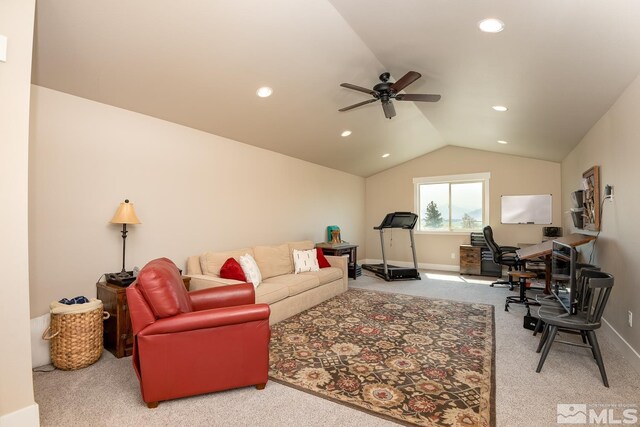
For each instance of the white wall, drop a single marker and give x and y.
(193, 192)
(392, 190)
(614, 144)
(16, 388)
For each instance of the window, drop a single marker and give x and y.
(457, 203)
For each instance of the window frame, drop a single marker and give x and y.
(483, 177)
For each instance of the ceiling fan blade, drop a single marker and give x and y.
(359, 104)
(359, 88)
(417, 97)
(389, 109)
(405, 81)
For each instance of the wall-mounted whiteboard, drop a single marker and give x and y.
(528, 209)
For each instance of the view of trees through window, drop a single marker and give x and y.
(451, 206)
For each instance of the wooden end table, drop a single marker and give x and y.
(340, 249)
(118, 334)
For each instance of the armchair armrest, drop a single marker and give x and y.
(206, 319)
(223, 296)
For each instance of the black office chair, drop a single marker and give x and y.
(597, 290)
(502, 255)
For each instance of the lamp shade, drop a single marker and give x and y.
(125, 214)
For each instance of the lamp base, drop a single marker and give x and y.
(123, 278)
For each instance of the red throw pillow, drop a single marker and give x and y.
(231, 270)
(322, 261)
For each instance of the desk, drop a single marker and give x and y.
(544, 249)
(340, 249)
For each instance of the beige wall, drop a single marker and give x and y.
(16, 389)
(614, 144)
(392, 190)
(192, 191)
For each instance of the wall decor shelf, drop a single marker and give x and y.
(591, 197)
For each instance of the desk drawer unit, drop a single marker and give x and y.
(470, 259)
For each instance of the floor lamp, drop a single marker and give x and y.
(125, 214)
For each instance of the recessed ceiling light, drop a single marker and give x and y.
(491, 25)
(385, 155)
(500, 108)
(264, 92)
(500, 141)
(345, 134)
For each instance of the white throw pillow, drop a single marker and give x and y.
(250, 269)
(305, 261)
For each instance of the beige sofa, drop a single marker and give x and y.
(287, 293)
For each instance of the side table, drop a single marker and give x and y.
(340, 249)
(118, 334)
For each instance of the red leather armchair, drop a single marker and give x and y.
(189, 343)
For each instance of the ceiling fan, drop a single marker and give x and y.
(386, 92)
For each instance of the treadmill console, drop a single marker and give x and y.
(404, 220)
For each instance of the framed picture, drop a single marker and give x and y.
(591, 197)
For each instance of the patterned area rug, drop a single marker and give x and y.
(409, 359)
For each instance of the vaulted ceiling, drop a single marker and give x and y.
(558, 66)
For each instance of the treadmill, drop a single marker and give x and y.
(405, 221)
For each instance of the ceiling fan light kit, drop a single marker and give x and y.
(386, 92)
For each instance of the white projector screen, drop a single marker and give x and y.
(530, 209)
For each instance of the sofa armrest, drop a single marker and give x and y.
(203, 281)
(206, 319)
(340, 262)
(225, 296)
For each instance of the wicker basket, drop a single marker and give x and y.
(76, 338)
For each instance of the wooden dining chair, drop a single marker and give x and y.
(598, 286)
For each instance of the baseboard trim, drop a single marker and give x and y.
(628, 352)
(421, 265)
(28, 416)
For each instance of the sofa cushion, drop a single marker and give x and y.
(161, 285)
(302, 245)
(273, 260)
(325, 275)
(211, 262)
(268, 293)
(296, 283)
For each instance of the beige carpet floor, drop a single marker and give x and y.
(107, 392)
